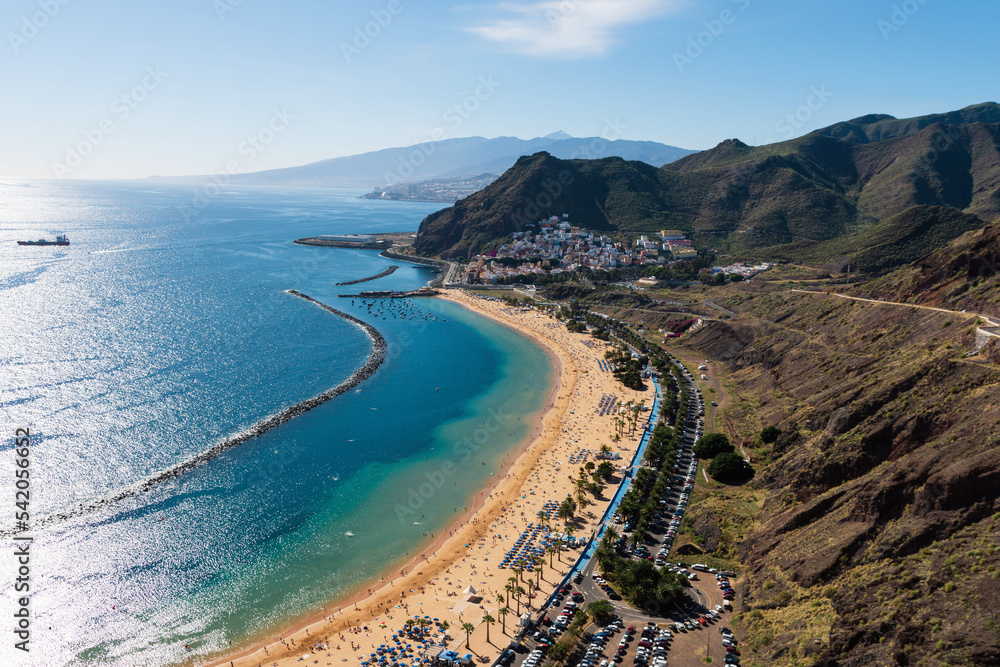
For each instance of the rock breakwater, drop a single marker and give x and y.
(375, 359)
(387, 272)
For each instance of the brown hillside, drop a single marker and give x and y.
(882, 522)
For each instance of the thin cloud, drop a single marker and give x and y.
(568, 28)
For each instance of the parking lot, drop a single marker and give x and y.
(683, 636)
(637, 639)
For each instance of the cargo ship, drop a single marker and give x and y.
(60, 240)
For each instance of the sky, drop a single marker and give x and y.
(122, 89)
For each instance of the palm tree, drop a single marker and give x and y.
(510, 589)
(468, 627)
(553, 550)
(503, 618)
(637, 538)
(488, 620)
(499, 600)
(539, 563)
(444, 625)
(518, 571)
(581, 492)
(605, 452)
(567, 509)
(518, 592)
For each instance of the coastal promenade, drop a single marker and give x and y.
(471, 552)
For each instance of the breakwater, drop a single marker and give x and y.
(442, 265)
(390, 294)
(375, 359)
(387, 272)
(315, 241)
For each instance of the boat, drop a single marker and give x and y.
(60, 240)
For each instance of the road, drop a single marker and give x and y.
(712, 304)
(993, 330)
(690, 647)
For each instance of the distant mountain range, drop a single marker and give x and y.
(451, 158)
(785, 199)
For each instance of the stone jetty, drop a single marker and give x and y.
(387, 272)
(375, 359)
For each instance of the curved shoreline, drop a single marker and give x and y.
(387, 272)
(473, 546)
(451, 544)
(375, 359)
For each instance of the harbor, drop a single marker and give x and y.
(390, 294)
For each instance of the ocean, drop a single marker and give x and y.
(165, 327)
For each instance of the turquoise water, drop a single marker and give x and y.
(156, 334)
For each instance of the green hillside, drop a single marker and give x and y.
(792, 198)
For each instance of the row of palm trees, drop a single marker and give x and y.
(503, 600)
(630, 418)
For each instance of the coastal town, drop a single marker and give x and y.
(557, 246)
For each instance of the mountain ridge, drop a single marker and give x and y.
(447, 158)
(828, 184)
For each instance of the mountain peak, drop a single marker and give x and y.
(558, 136)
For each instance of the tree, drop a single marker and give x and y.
(488, 620)
(581, 491)
(601, 611)
(604, 472)
(730, 468)
(770, 434)
(518, 592)
(468, 627)
(567, 509)
(503, 618)
(712, 445)
(637, 537)
(560, 651)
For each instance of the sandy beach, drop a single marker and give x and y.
(469, 553)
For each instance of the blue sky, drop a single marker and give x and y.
(137, 88)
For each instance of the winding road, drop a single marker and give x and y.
(993, 330)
